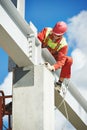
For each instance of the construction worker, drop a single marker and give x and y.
(54, 41)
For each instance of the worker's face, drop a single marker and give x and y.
(56, 37)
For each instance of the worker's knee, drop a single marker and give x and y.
(69, 60)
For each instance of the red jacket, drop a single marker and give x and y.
(60, 56)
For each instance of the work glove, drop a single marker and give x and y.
(50, 67)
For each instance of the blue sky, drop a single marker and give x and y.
(47, 13)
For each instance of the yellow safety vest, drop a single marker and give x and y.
(52, 44)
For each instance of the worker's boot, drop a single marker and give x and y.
(58, 86)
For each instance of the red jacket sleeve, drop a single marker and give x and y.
(41, 35)
(61, 58)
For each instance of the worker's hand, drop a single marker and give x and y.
(50, 67)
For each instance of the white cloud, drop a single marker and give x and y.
(77, 38)
(79, 59)
(77, 30)
(6, 86)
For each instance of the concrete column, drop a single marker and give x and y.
(21, 7)
(33, 99)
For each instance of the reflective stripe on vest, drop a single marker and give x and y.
(52, 44)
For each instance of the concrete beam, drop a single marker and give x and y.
(14, 51)
(12, 39)
(20, 31)
(17, 18)
(75, 120)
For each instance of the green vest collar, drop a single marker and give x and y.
(51, 44)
